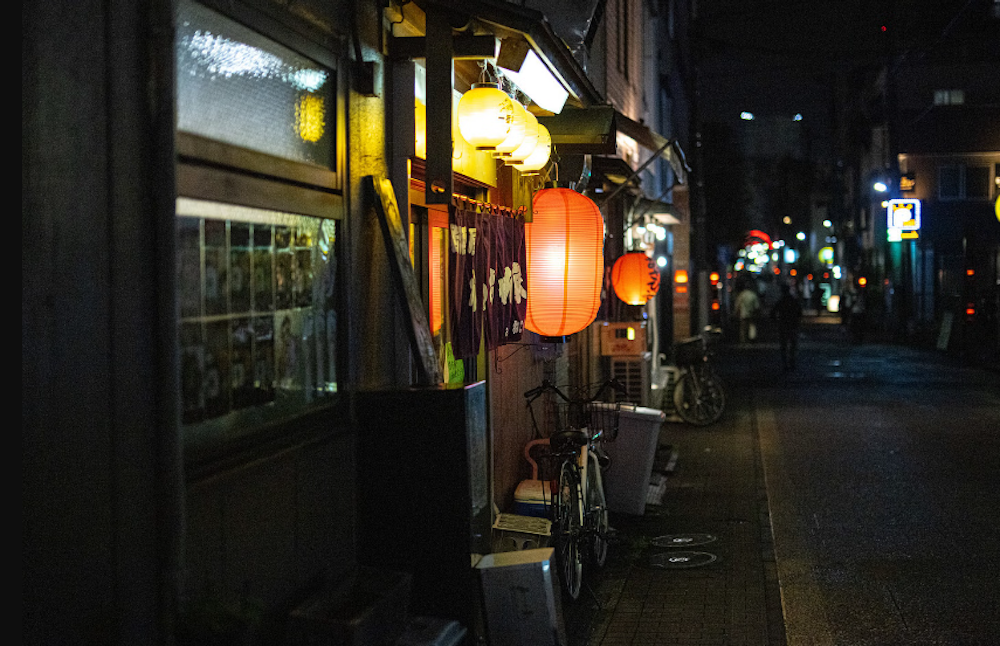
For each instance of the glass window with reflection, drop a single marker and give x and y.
(258, 321)
(239, 87)
(256, 232)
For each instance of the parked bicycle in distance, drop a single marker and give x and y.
(578, 509)
(699, 395)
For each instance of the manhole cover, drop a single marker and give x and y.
(680, 560)
(683, 540)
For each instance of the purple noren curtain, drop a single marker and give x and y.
(488, 283)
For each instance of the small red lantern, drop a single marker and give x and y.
(635, 278)
(565, 249)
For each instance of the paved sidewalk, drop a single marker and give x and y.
(722, 591)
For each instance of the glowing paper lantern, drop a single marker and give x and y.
(635, 278)
(539, 157)
(485, 114)
(515, 137)
(528, 143)
(565, 249)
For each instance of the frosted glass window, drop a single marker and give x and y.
(237, 86)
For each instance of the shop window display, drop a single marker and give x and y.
(257, 316)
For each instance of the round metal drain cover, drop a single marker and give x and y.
(681, 560)
(683, 540)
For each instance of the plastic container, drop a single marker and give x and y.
(626, 480)
(532, 498)
(521, 598)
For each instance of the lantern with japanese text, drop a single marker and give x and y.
(635, 278)
(565, 250)
(485, 114)
(518, 126)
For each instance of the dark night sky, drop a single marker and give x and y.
(776, 56)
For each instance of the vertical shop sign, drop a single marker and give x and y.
(384, 199)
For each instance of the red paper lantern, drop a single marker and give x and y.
(565, 249)
(635, 278)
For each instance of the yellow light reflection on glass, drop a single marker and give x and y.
(310, 117)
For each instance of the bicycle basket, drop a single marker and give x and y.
(604, 417)
(689, 351)
(596, 417)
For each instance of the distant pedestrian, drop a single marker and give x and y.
(746, 307)
(854, 312)
(788, 313)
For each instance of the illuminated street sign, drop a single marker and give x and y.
(903, 220)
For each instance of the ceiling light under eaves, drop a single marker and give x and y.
(534, 79)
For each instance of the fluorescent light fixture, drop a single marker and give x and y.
(534, 79)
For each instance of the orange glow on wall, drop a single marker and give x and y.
(438, 223)
(635, 278)
(565, 249)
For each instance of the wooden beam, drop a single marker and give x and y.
(384, 199)
(440, 80)
(463, 47)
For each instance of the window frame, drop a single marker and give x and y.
(962, 170)
(217, 171)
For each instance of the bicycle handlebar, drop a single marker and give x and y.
(548, 386)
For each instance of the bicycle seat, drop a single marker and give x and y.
(571, 438)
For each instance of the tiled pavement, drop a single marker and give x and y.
(658, 587)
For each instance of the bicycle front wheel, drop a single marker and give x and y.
(567, 522)
(699, 396)
(596, 515)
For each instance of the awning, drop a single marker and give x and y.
(583, 131)
(655, 142)
(509, 20)
(660, 212)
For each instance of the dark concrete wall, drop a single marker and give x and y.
(98, 432)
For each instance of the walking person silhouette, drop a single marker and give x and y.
(788, 313)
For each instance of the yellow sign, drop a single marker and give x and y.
(903, 220)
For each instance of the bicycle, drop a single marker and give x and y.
(578, 509)
(699, 395)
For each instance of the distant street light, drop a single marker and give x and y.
(880, 186)
(746, 116)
